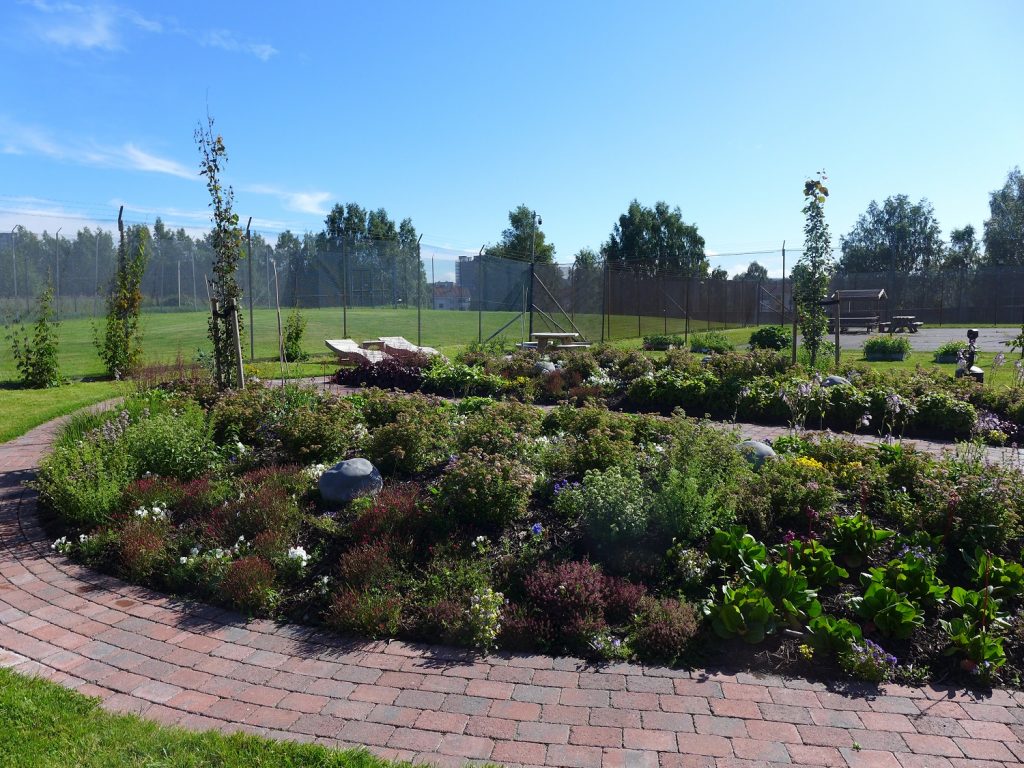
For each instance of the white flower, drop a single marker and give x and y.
(183, 560)
(298, 553)
(240, 448)
(61, 545)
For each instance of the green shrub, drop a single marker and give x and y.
(887, 345)
(944, 414)
(950, 349)
(82, 484)
(411, 443)
(294, 330)
(704, 485)
(445, 377)
(799, 491)
(373, 612)
(173, 444)
(712, 341)
(613, 506)
(770, 337)
(35, 356)
(286, 423)
(663, 341)
(484, 490)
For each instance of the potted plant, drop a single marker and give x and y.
(887, 348)
(950, 351)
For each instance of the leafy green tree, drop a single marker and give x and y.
(754, 272)
(814, 268)
(120, 349)
(35, 356)
(964, 250)
(226, 240)
(586, 258)
(719, 273)
(656, 239)
(1004, 229)
(523, 239)
(897, 237)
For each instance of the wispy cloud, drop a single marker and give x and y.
(229, 42)
(313, 203)
(101, 26)
(71, 25)
(18, 139)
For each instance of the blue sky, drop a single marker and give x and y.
(454, 112)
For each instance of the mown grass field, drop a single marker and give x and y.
(46, 726)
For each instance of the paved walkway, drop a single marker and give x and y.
(202, 667)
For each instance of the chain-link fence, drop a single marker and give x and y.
(363, 288)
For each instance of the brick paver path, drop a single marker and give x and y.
(201, 667)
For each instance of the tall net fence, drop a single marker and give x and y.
(362, 288)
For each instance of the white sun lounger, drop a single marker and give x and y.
(348, 351)
(399, 346)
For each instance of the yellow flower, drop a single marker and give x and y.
(808, 463)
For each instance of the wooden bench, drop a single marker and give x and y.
(868, 323)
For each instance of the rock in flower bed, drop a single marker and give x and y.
(578, 530)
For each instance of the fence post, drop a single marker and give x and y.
(636, 292)
(604, 295)
(419, 295)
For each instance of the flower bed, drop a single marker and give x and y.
(760, 386)
(579, 530)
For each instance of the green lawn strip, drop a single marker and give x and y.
(23, 409)
(45, 725)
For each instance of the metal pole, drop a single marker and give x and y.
(179, 283)
(96, 273)
(14, 261)
(195, 300)
(689, 290)
(636, 292)
(252, 338)
(419, 294)
(604, 295)
(480, 296)
(57, 260)
(783, 283)
(533, 267)
(344, 286)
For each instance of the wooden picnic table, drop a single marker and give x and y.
(906, 323)
(545, 338)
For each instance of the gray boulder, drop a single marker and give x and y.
(542, 367)
(349, 480)
(756, 452)
(834, 380)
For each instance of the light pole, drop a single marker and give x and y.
(535, 220)
(14, 262)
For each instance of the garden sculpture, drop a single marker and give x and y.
(966, 366)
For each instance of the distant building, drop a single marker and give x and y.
(448, 295)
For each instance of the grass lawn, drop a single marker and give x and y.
(45, 725)
(22, 409)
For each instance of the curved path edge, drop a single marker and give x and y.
(196, 666)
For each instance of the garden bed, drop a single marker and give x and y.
(760, 386)
(578, 530)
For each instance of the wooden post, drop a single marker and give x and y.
(239, 368)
